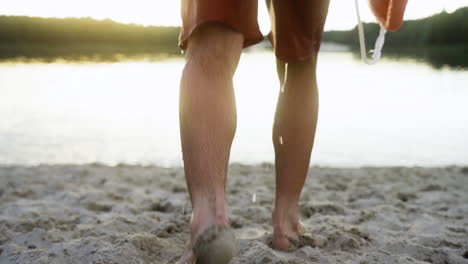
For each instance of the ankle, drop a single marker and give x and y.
(285, 227)
(286, 222)
(203, 219)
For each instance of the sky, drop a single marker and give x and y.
(342, 14)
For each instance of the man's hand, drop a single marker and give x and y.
(389, 13)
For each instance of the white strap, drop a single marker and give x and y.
(379, 43)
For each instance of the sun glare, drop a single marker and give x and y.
(161, 12)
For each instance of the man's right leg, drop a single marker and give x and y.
(297, 108)
(293, 138)
(208, 123)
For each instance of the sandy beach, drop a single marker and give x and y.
(134, 215)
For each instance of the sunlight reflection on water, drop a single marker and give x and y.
(394, 113)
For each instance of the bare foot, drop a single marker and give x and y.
(197, 226)
(286, 226)
(216, 244)
(188, 257)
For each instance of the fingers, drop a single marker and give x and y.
(395, 14)
(389, 13)
(379, 8)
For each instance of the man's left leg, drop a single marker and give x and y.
(208, 124)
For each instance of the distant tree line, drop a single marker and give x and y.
(441, 39)
(31, 36)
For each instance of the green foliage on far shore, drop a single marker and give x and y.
(441, 39)
(43, 37)
(438, 30)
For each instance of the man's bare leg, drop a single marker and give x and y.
(208, 124)
(293, 138)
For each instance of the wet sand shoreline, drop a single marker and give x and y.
(133, 214)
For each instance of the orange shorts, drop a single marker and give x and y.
(296, 25)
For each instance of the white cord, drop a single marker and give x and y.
(379, 43)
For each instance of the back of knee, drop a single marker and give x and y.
(215, 48)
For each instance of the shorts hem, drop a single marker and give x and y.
(305, 55)
(185, 34)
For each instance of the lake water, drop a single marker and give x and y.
(394, 113)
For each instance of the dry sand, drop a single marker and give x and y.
(132, 214)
